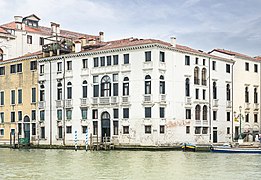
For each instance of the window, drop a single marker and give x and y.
(42, 115)
(115, 127)
(59, 91)
(197, 93)
(255, 96)
(228, 92)
(246, 95)
(69, 65)
(68, 114)
(2, 132)
(196, 75)
(204, 94)
(41, 41)
(20, 128)
(205, 130)
(20, 116)
(187, 60)
(125, 129)
(187, 129)
(214, 65)
(33, 115)
(115, 59)
(148, 56)
(228, 116)
(214, 90)
(95, 127)
(125, 91)
(197, 130)
(147, 84)
(33, 129)
(12, 131)
(96, 62)
(162, 85)
(84, 113)
(84, 129)
(115, 113)
(29, 39)
(20, 95)
(19, 67)
(126, 58)
(255, 68)
(69, 129)
(197, 112)
(247, 66)
(12, 97)
(247, 118)
(162, 112)
(115, 77)
(147, 112)
(2, 98)
(196, 60)
(204, 62)
(13, 69)
(108, 60)
(162, 56)
(214, 115)
(95, 86)
(2, 71)
(60, 132)
(204, 77)
(147, 129)
(162, 129)
(84, 89)
(227, 68)
(125, 113)
(33, 100)
(255, 118)
(228, 130)
(69, 90)
(59, 67)
(102, 60)
(2, 117)
(42, 69)
(85, 63)
(12, 116)
(188, 113)
(106, 86)
(205, 112)
(1, 54)
(42, 132)
(95, 114)
(42, 96)
(187, 87)
(59, 114)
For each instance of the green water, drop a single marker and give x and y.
(143, 165)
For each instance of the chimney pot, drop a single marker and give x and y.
(173, 41)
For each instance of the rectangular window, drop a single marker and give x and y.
(59, 67)
(227, 68)
(2, 98)
(41, 69)
(84, 129)
(162, 129)
(96, 62)
(33, 129)
(33, 65)
(68, 114)
(148, 56)
(42, 115)
(42, 94)
(228, 130)
(2, 132)
(95, 127)
(60, 132)
(147, 129)
(125, 129)
(205, 130)
(41, 41)
(2, 117)
(115, 89)
(85, 63)
(84, 113)
(126, 58)
(115, 77)
(247, 66)
(204, 94)
(214, 65)
(20, 116)
(95, 90)
(125, 112)
(197, 130)
(69, 65)
(42, 133)
(197, 93)
(33, 115)
(20, 96)
(95, 114)
(228, 116)
(214, 115)
(116, 113)
(59, 114)
(13, 69)
(69, 129)
(12, 97)
(20, 128)
(204, 62)
(33, 95)
(2, 71)
(162, 56)
(147, 112)
(188, 113)
(162, 112)
(108, 60)
(102, 59)
(247, 118)
(187, 60)
(255, 118)
(196, 60)
(29, 39)
(115, 127)
(115, 59)
(19, 67)
(12, 116)
(187, 129)
(255, 68)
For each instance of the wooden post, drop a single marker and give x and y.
(10, 139)
(105, 143)
(91, 143)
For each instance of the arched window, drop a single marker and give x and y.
(187, 88)
(84, 89)
(59, 91)
(196, 75)
(205, 112)
(42, 93)
(162, 85)
(246, 95)
(147, 84)
(125, 90)
(255, 95)
(214, 90)
(228, 92)
(204, 77)
(105, 86)
(197, 112)
(1, 54)
(69, 90)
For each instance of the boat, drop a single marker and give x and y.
(236, 150)
(188, 147)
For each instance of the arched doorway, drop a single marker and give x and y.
(27, 128)
(105, 126)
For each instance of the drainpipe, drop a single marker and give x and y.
(259, 99)
(63, 100)
(51, 100)
(209, 101)
(232, 97)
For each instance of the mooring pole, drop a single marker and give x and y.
(86, 139)
(75, 141)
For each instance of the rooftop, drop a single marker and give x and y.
(232, 53)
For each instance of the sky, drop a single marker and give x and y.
(200, 24)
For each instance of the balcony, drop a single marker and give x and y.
(104, 100)
(204, 82)
(162, 66)
(229, 104)
(196, 81)
(147, 98)
(215, 102)
(95, 100)
(256, 106)
(125, 99)
(41, 104)
(85, 72)
(162, 98)
(188, 100)
(68, 103)
(59, 103)
(148, 65)
(125, 67)
(205, 122)
(198, 122)
(84, 102)
(247, 106)
(114, 100)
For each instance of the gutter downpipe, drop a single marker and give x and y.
(232, 95)
(209, 102)
(51, 100)
(63, 100)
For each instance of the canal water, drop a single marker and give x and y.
(136, 165)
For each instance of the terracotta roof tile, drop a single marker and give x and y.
(2, 30)
(258, 58)
(233, 54)
(37, 53)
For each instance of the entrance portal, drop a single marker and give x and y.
(105, 126)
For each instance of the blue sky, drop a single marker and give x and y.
(201, 24)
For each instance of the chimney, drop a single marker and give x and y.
(83, 40)
(101, 34)
(18, 22)
(78, 46)
(173, 41)
(55, 29)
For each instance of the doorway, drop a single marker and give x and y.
(27, 128)
(105, 126)
(215, 138)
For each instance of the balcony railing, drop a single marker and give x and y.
(215, 102)
(41, 104)
(196, 81)
(68, 103)
(247, 105)
(147, 98)
(84, 101)
(256, 106)
(204, 82)
(229, 104)
(59, 103)
(104, 100)
(205, 122)
(95, 100)
(114, 99)
(125, 99)
(197, 122)
(188, 100)
(162, 97)
(148, 65)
